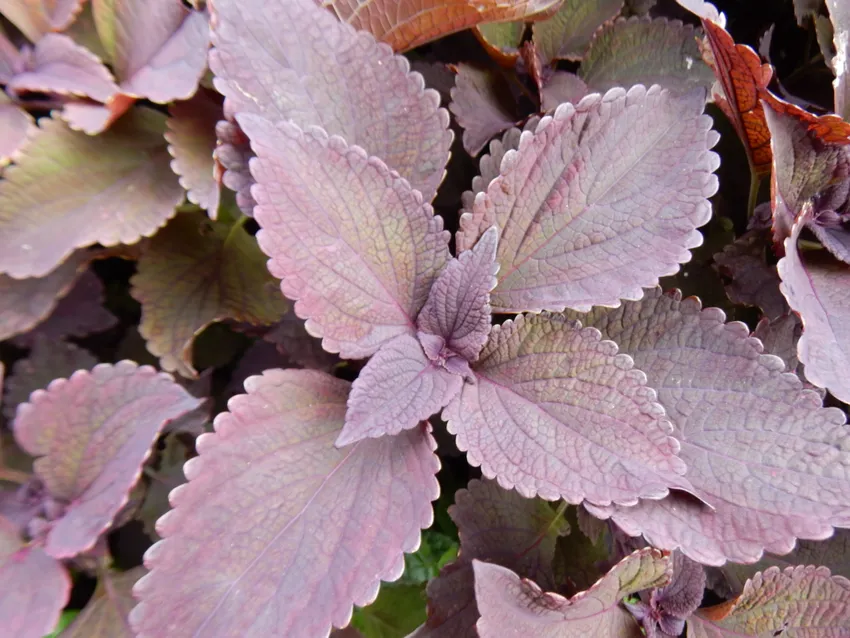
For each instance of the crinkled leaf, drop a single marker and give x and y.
(502, 40)
(105, 615)
(482, 104)
(358, 283)
(93, 431)
(560, 87)
(799, 602)
(839, 13)
(196, 272)
(16, 126)
(34, 19)
(192, 141)
(407, 25)
(289, 59)
(680, 598)
(158, 48)
(645, 51)
(590, 207)
(398, 610)
(568, 33)
(759, 448)
(336, 520)
(36, 587)
(397, 389)
(505, 601)
(556, 412)
(70, 190)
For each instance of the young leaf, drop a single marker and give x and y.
(105, 615)
(406, 26)
(93, 431)
(556, 412)
(505, 600)
(759, 448)
(359, 283)
(397, 389)
(482, 104)
(799, 601)
(589, 206)
(196, 272)
(289, 59)
(567, 34)
(663, 611)
(839, 13)
(36, 587)
(336, 520)
(52, 200)
(35, 19)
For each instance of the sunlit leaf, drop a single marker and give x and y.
(482, 104)
(839, 13)
(34, 19)
(105, 615)
(338, 519)
(568, 33)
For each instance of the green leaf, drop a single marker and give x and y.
(436, 551)
(398, 610)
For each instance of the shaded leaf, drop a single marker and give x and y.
(436, 551)
(292, 339)
(70, 190)
(358, 284)
(34, 19)
(196, 272)
(91, 455)
(338, 519)
(482, 104)
(759, 448)
(547, 413)
(839, 14)
(505, 600)
(164, 475)
(502, 40)
(567, 35)
(780, 337)
(804, 9)
(289, 59)
(680, 598)
(397, 611)
(105, 615)
(578, 232)
(560, 87)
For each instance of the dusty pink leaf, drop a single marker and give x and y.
(93, 431)
(69, 190)
(839, 14)
(488, 167)
(482, 104)
(36, 18)
(233, 153)
(799, 602)
(561, 87)
(196, 272)
(49, 359)
(16, 126)
(105, 615)
(759, 448)
(506, 600)
(832, 231)
(93, 118)
(11, 61)
(325, 524)
(192, 142)
(780, 337)
(289, 59)
(158, 48)
(590, 207)
(397, 389)
(458, 306)
(358, 283)
(556, 412)
(568, 33)
(36, 587)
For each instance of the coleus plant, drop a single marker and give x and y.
(627, 436)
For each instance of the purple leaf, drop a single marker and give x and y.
(261, 356)
(800, 602)
(489, 166)
(292, 339)
(830, 227)
(561, 87)
(839, 13)
(645, 51)
(196, 272)
(506, 601)
(358, 284)
(52, 200)
(105, 615)
(233, 153)
(158, 48)
(680, 598)
(567, 34)
(556, 412)
(589, 205)
(780, 337)
(322, 527)
(289, 59)
(192, 141)
(16, 127)
(759, 448)
(93, 431)
(397, 389)
(34, 19)
(36, 587)
(482, 104)
(458, 306)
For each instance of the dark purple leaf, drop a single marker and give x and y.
(560, 87)
(292, 339)
(322, 527)
(568, 33)
(482, 104)
(358, 284)
(53, 200)
(261, 356)
(839, 13)
(16, 126)
(397, 389)
(34, 19)
(93, 431)
(680, 598)
(548, 412)
(35, 587)
(105, 615)
(506, 601)
(289, 59)
(759, 448)
(590, 207)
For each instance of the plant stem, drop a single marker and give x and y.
(13, 476)
(755, 183)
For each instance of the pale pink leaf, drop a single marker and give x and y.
(556, 412)
(482, 104)
(93, 431)
(590, 207)
(322, 528)
(358, 283)
(568, 33)
(16, 126)
(839, 14)
(105, 615)
(233, 153)
(488, 167)
(36, 18)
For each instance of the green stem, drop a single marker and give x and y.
(13, 476)
(755, 183)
